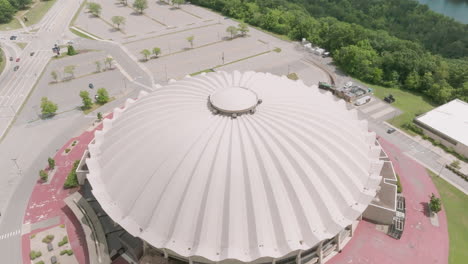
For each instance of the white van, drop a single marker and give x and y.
(362, 100)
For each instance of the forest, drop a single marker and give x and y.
(390, 43)
(8, 8)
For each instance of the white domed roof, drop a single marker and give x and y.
(176, 169)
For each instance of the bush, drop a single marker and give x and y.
(72, 180)
(51, 162)
(412, 127)
(74, 143)
(62, 226)
(34, 254)
(67, 150)
(399, 187)
(435, 204)
(71, 51)
(48, 239)
(455, 164)
(43, 175)
(69, 252)
(277, 50)
(63, 242)
(33, 236)
(102, 96)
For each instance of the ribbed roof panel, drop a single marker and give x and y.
(178, 174)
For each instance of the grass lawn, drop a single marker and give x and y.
(2, 61)
(22, 45)
(36, 13)
(412, 104)
(455, 204)
(14, 24)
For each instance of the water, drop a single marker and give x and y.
(457, 9)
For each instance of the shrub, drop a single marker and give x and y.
(43, 175)
(67, 150)
(74, 143)
(412, 127)
(435, 204)
(51, 162)
(102, 96)
(62, 226)
(455, 164)
(277, 50)
(34, 254)
(63, 242)
(72, 180)
(48, 239)
(399, 187)
(99, 116)
(71, 50)
(33, 236)
(69, 252)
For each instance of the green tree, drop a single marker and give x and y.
(108, 61)
(146, 53)
(435, 204)
(54, 75)
(71, 50)
(118, 20)
(243, 28)
(190, 40)
(7, 11)
(95, 9)
(51, 162)
(140, 5)
(359, 60)
(99, 116)
(156, 51)
(98, 66)
(43, 175)
(413, 81)
(178, 2)
(102, 96)
(70, 69)
(232, 30)
(48, 108)
(87, 102)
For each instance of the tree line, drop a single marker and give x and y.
(373, 54)
(8, 8)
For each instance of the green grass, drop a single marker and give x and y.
(96, 106)
(22, 45)
(2, 61)
(455, 204)
(411, 104)
(38, 11)
(72, 22)
(13, 24)
(79, 34)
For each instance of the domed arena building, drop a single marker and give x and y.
(239, 168)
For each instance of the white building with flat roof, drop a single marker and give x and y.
(448, 124)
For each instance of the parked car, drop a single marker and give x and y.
(17, 59)
(16, 68)
(362, 100)
(31, 54)
(11, 58)
(53, 260)
(50, 247)
(391, 130)
(389, 99)
(13, 37)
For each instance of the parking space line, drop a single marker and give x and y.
(370, 108)
(382, 112)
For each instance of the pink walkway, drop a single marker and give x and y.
(421, 241)
(46, 200)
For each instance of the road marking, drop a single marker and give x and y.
(372, 107)
(10, 234)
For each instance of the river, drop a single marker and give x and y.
(457, 9)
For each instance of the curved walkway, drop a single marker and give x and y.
(421, 241)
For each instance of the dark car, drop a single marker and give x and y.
(391, 130)
(11, 58)
(18, 59)
(31, 54)
(16, 68)
(13, 37)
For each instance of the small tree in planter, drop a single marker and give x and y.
(43, 175)
(435, 204)
(51, 162)
(99, 116)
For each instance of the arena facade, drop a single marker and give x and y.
(239, 167)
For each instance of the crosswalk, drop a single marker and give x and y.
(10, 234)
(378, 110)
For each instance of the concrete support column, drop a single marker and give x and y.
(298, 258)
(274, 261)
(190, 261)
(165, 253)
(351, 233)
(320, 253)
(338, 241)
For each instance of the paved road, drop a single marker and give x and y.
(17, 85)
